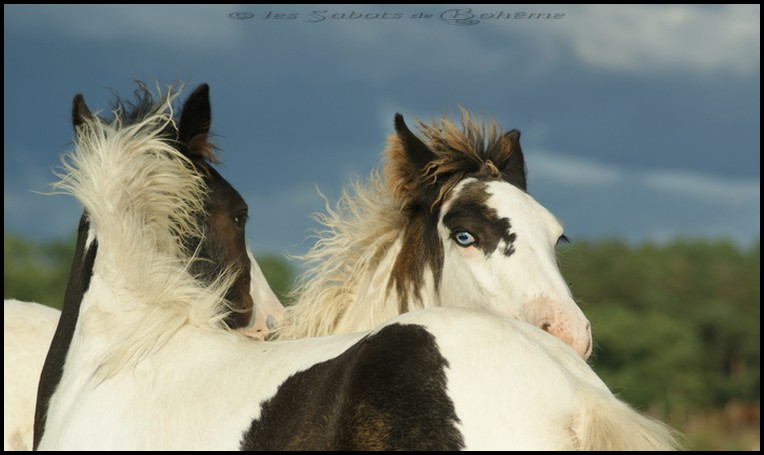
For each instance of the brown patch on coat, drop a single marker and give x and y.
(386, 392)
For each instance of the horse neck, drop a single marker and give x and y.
(347, 285)
(374, 298)
(355, 297)
(79, 282)
(126, 302)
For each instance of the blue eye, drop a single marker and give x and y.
(464, 238)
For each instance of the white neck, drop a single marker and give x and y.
(358, 299)
(376, 299)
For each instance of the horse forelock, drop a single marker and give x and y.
(474, 148)
(146, 105)
(143, 196)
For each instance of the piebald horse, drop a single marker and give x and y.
(29, 327)
(449, 224)
(147, 368)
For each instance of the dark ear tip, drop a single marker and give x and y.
(80, 110)
(78, 103)
(202, 89)
(400, 125)
(513, 135)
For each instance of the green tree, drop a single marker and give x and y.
(278, 273)
(36, 272)
(676, 326)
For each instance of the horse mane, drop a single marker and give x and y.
(356, 234)
(478, 148)
(368, 218)
(128, 112)
(142, 196)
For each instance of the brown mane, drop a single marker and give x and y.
(479, 149)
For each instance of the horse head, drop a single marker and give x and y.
(488, 243)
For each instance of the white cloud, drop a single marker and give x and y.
(639, 205)
(646, 38)
(636, 38)
(641, 39)
(198, 27)
(553, 167)
(704, 187)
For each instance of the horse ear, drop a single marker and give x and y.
(80, 111)
(514, 166)
(195, 120)
(407, 158)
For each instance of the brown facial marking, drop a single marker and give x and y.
(421, 248)
(469, 211)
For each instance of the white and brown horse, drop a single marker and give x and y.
(29, 327)
(146, 366)
(450, 224)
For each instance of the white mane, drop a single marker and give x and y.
(141, 196)
(358, 233)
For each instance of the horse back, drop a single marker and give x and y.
(386, 392)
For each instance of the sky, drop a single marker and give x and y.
(638, 122)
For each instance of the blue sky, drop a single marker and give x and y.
(639, 122)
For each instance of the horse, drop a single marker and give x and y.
(29, 327)
(147, 368)
(448, 222)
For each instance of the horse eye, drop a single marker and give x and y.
(240, 219)
(464, 238)
(563, 239)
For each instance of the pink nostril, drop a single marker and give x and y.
(545, 326)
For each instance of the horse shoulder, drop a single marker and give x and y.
(516, 385)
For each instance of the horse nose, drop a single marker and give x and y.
(255, 332)
(581, 343)
(562, 318)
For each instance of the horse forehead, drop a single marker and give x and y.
(222, 194)
(506, 206)
(525, 212)
(497, 196)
